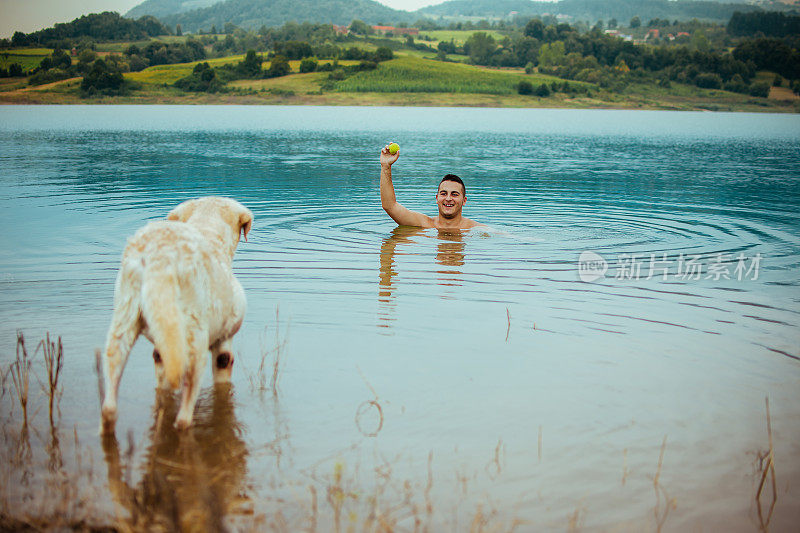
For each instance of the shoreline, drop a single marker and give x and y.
(66, 93)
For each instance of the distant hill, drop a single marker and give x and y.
(591, 10)
(161, 8)
(252, 14)
(106, 26)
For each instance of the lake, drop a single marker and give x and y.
(599, 357)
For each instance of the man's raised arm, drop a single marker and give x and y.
(401, 215)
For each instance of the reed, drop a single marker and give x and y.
(272, 361)
(767, 470)
(53, 353)
(661, 493)
(20, 374)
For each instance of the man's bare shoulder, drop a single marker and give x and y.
(469, 224)
(465, 223)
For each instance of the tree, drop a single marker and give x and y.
(202, 79)
(635, 22)
(551, 54)
(480, 46)
(178, 30)
(279, 66)
(383, 53)
(525, 87)
(361, 28)
(308, 64)
(543, 90)
(103, 78)
(612, 24)
(251, 65)
(760, 88)
(535, 28)
(700, 41)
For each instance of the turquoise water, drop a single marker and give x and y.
(508, 379)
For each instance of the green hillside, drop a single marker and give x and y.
(592, 10)
(252, 14)
(416, 75)
(161, 8)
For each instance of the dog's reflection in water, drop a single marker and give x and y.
(190, 480)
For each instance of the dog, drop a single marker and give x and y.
(176, 287)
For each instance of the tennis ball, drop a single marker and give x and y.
(394, 148)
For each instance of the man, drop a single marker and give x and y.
(450, 198)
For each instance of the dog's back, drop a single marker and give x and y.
(175, 285)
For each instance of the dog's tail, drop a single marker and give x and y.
(160, 296)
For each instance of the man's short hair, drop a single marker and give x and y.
(453, 177)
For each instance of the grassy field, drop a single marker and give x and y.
(457, 36)
(416, 75)
(28, 58)
(169, 74)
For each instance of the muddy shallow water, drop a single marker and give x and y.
(598, 358)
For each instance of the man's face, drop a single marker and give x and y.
(450, 199)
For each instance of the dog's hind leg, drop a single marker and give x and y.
(198, 350)
(222, 360)
(122, 334)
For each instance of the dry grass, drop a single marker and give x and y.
(767, 469)
(272, 361)
(20, 374)
(54, 363)
(660, 513)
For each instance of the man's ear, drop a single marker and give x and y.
(183, 212)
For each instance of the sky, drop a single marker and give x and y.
(32, 15)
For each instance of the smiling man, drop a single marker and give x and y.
(451, 197)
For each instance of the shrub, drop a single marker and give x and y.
(202, 79)
(308, 64)
(760, 88)
(103, 78)
(543, 90)
(525, 87)
(49, 76)
(279, 66)
(383, 54)
(707, 80)
(737, 85)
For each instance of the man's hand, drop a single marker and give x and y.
(388, 159)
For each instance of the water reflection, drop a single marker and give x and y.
(450, 254)
(191, 479)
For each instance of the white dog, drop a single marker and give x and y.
(176, 286)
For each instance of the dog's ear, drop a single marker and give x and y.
(183, 211)
(245, 223)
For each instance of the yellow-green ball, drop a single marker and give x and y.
(394, 148)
